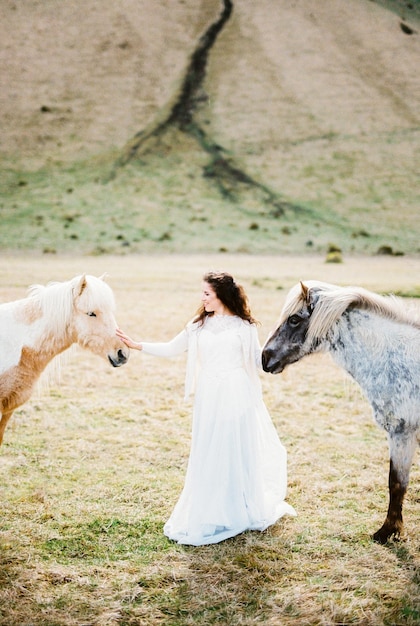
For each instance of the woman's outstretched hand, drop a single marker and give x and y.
(135, 345)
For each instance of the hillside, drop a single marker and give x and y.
(318, 102)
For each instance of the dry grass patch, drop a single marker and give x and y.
(93, 464)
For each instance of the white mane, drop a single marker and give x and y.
(56, 300)
(334, 300)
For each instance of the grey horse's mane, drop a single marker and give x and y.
(333, 300)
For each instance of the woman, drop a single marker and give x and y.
(237, 469)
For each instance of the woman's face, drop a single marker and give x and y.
(210, 300)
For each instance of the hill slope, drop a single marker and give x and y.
(318, 101)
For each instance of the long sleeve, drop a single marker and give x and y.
(252, 355)
(174, 347)
(256, 350)
(185, 341)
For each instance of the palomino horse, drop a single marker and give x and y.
(52, 318)
(378, 343)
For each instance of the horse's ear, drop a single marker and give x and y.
(81, 286)
(104, 276)
(305, 291)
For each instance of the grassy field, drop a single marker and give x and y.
(92, 465)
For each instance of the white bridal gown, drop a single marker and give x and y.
(237, 471)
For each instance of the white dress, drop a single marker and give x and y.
(237, 470)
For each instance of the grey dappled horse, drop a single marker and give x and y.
(377, 341)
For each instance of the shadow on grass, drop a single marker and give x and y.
(126, 573)
(229, 583)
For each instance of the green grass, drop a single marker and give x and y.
(91, 541)
(162, 203)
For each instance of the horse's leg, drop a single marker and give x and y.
(3, 423)
(402, 447)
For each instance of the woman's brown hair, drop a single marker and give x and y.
(230, 293)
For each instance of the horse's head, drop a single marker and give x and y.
(288, 342)
(93, 324)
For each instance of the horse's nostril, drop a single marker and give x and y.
(118, 359)
(266, 356)
(122, 356)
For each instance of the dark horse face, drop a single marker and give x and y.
(287, 343)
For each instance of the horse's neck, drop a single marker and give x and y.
(354, 343)
(363, 342)
(41, 336)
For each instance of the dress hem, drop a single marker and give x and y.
(228, 533)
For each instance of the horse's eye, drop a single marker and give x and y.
(294, 320)
(91, 314)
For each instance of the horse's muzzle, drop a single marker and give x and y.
(270, 362)
(122, 357)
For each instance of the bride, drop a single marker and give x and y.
(237, 470)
